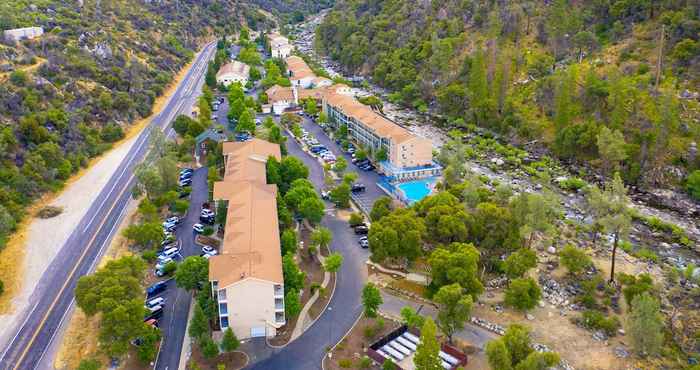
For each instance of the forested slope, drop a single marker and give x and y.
(580, 77)
(66, 96)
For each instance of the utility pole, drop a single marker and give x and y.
(659, 59)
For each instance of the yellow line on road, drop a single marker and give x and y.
(65, 284)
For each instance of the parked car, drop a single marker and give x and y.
(357, 188)
(358, 225)
(367, 167)
(155, 302)
(157, 314)
(169, 253)
(325, 194)
(185, 182)
(198, 228)
(161, 263)
(173, 219)
(186, 170)
(208, 249)
(207, 220)
(152, 323)
(206, 212)
(156, 288)
(364, 243)
(361, 230)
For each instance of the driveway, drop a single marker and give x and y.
(307, 351)
(177, 305)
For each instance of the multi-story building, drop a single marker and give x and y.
(279, 46)
(246, 276)
(407, 155)
(233, 72)
(19, 34)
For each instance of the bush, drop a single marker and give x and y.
(345, 363)
(89, 364)
(170, 268)
(208, 230)
(49, 212)
(149, 255)
(692, 184)
(572, 184)
(356, 219)
(365, 363)
(574, 259)
(523, 294)
(596, 320)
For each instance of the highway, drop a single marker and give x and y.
(53, 295)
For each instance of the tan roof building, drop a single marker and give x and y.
(248, 269)
(233, 72)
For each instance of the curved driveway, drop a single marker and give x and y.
(307, 351)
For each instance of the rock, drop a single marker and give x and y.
(621, 352)
(551, 250)
(621, 331)
(529, 317)
(599, 336)
(541, 304)
(497, 161)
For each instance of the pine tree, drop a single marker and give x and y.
(646, 325)
(229, 342)
(427, 354)
(199, 324)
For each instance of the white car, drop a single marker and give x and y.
(155, 302)
(199, 228)
(207, 249)
(160, 265)
(207, 213)
(174, 219)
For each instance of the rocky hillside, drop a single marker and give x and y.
(293, 10)
(578, 78)
(67, 95)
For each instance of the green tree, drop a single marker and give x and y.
(457, 263)
(145, 234)
(498, 355)
(523, 294)
(148, 349)
(292, 304)
(612, 148)
(340, 195)
(411, 318)
(208, 347)
(611, 211)
(340, 165)
(149, 180)
(199, 324)
(246, 122)
(89, 364)
(356, 218)
(333, 262)
(427, 355)
(312, 209)
(575, 260)
(321, 237)
(288, 240)
(517, 340)
(536, 213)
(293, 276)
(646, 325)
(454, 308)
(229, 342)
(519, 262)
(381, 207)
(371, 300)
(692, 184)
(193, 273)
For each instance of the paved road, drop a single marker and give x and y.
(178, 300)
(53, 295)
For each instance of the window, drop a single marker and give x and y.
(223, 309)
(222, 295)
(224, 322)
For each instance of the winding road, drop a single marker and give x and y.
(53, 296)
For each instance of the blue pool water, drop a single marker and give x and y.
(416, 190)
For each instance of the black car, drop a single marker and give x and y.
(207, 220)
(156, 289)
(367, 167)
(361, 230)
(358, 225)
(357, 188)
(157, 314)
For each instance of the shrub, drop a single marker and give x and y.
(208, 230)
(523, 294)
(692, 184)
(345, 363)
(49, 212)
(572, 184)
(596, 320)
(149, 255)
(170, 268)
(356, 219)
(365, 363)
(574, 259)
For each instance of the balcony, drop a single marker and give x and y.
(279, 304)
(279, 317)
(279, 291)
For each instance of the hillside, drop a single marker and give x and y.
(66, 96)
(293, 10)
(576, 78)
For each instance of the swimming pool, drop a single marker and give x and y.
(416, 190)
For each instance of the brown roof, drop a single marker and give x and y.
(381, 125)
(278, 93)
(251, 245)
(298, 67)
(235, 67)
